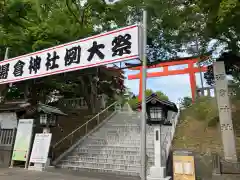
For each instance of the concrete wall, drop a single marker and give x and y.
(5, 155)
(8, 120)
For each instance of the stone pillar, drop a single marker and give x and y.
(225, 113)
(158, 171)
(46, 130)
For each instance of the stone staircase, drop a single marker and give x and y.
(115, 147)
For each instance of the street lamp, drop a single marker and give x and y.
(157, 116)
(48, 120)
(157, 111)
(48, 116)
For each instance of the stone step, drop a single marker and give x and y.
(122, 128)
(111, 142)
(115, 164)
(123, 131)
(124, 137)
(106, 157)
(121, 118)
(119, 132)
(125, 126)
(113, 132)
(98, 150)
(105, 160)
(105, 165)
(121, 140)
(125, 122)
(96, 169)
(117, 146)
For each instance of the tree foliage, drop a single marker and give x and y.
(134, 100)
(187, 25)
(29, 25)
(186, 102)
(203, 109)
(232, 67)
(160, 94)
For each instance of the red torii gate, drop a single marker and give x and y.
(191, 70)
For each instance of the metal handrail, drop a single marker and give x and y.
(85, 124)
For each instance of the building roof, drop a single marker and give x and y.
(49, 109)
(170, 105)
(14, 105)
(22, 105)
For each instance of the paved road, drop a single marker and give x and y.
(22, 174)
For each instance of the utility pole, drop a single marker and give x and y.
(199, 66)
(143, 39)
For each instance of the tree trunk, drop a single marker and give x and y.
(26, 91)
(3, 92)
(93, 94)
(33, 93)
(85, 93)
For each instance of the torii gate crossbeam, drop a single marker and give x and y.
(191, 70)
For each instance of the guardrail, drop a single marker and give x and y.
(62, 145)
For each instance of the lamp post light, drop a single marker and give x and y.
(157, 116)
(47, 121)
(48, 116)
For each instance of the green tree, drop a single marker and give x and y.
(134, 100)
(186, 102)
(160, 94)
(203, 109)
(29, 25)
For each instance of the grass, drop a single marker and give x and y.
(196, 135)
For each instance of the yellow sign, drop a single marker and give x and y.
(183, 165)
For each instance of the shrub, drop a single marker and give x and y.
(203, 109)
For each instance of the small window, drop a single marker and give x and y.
(156, 113)
(157, 136)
